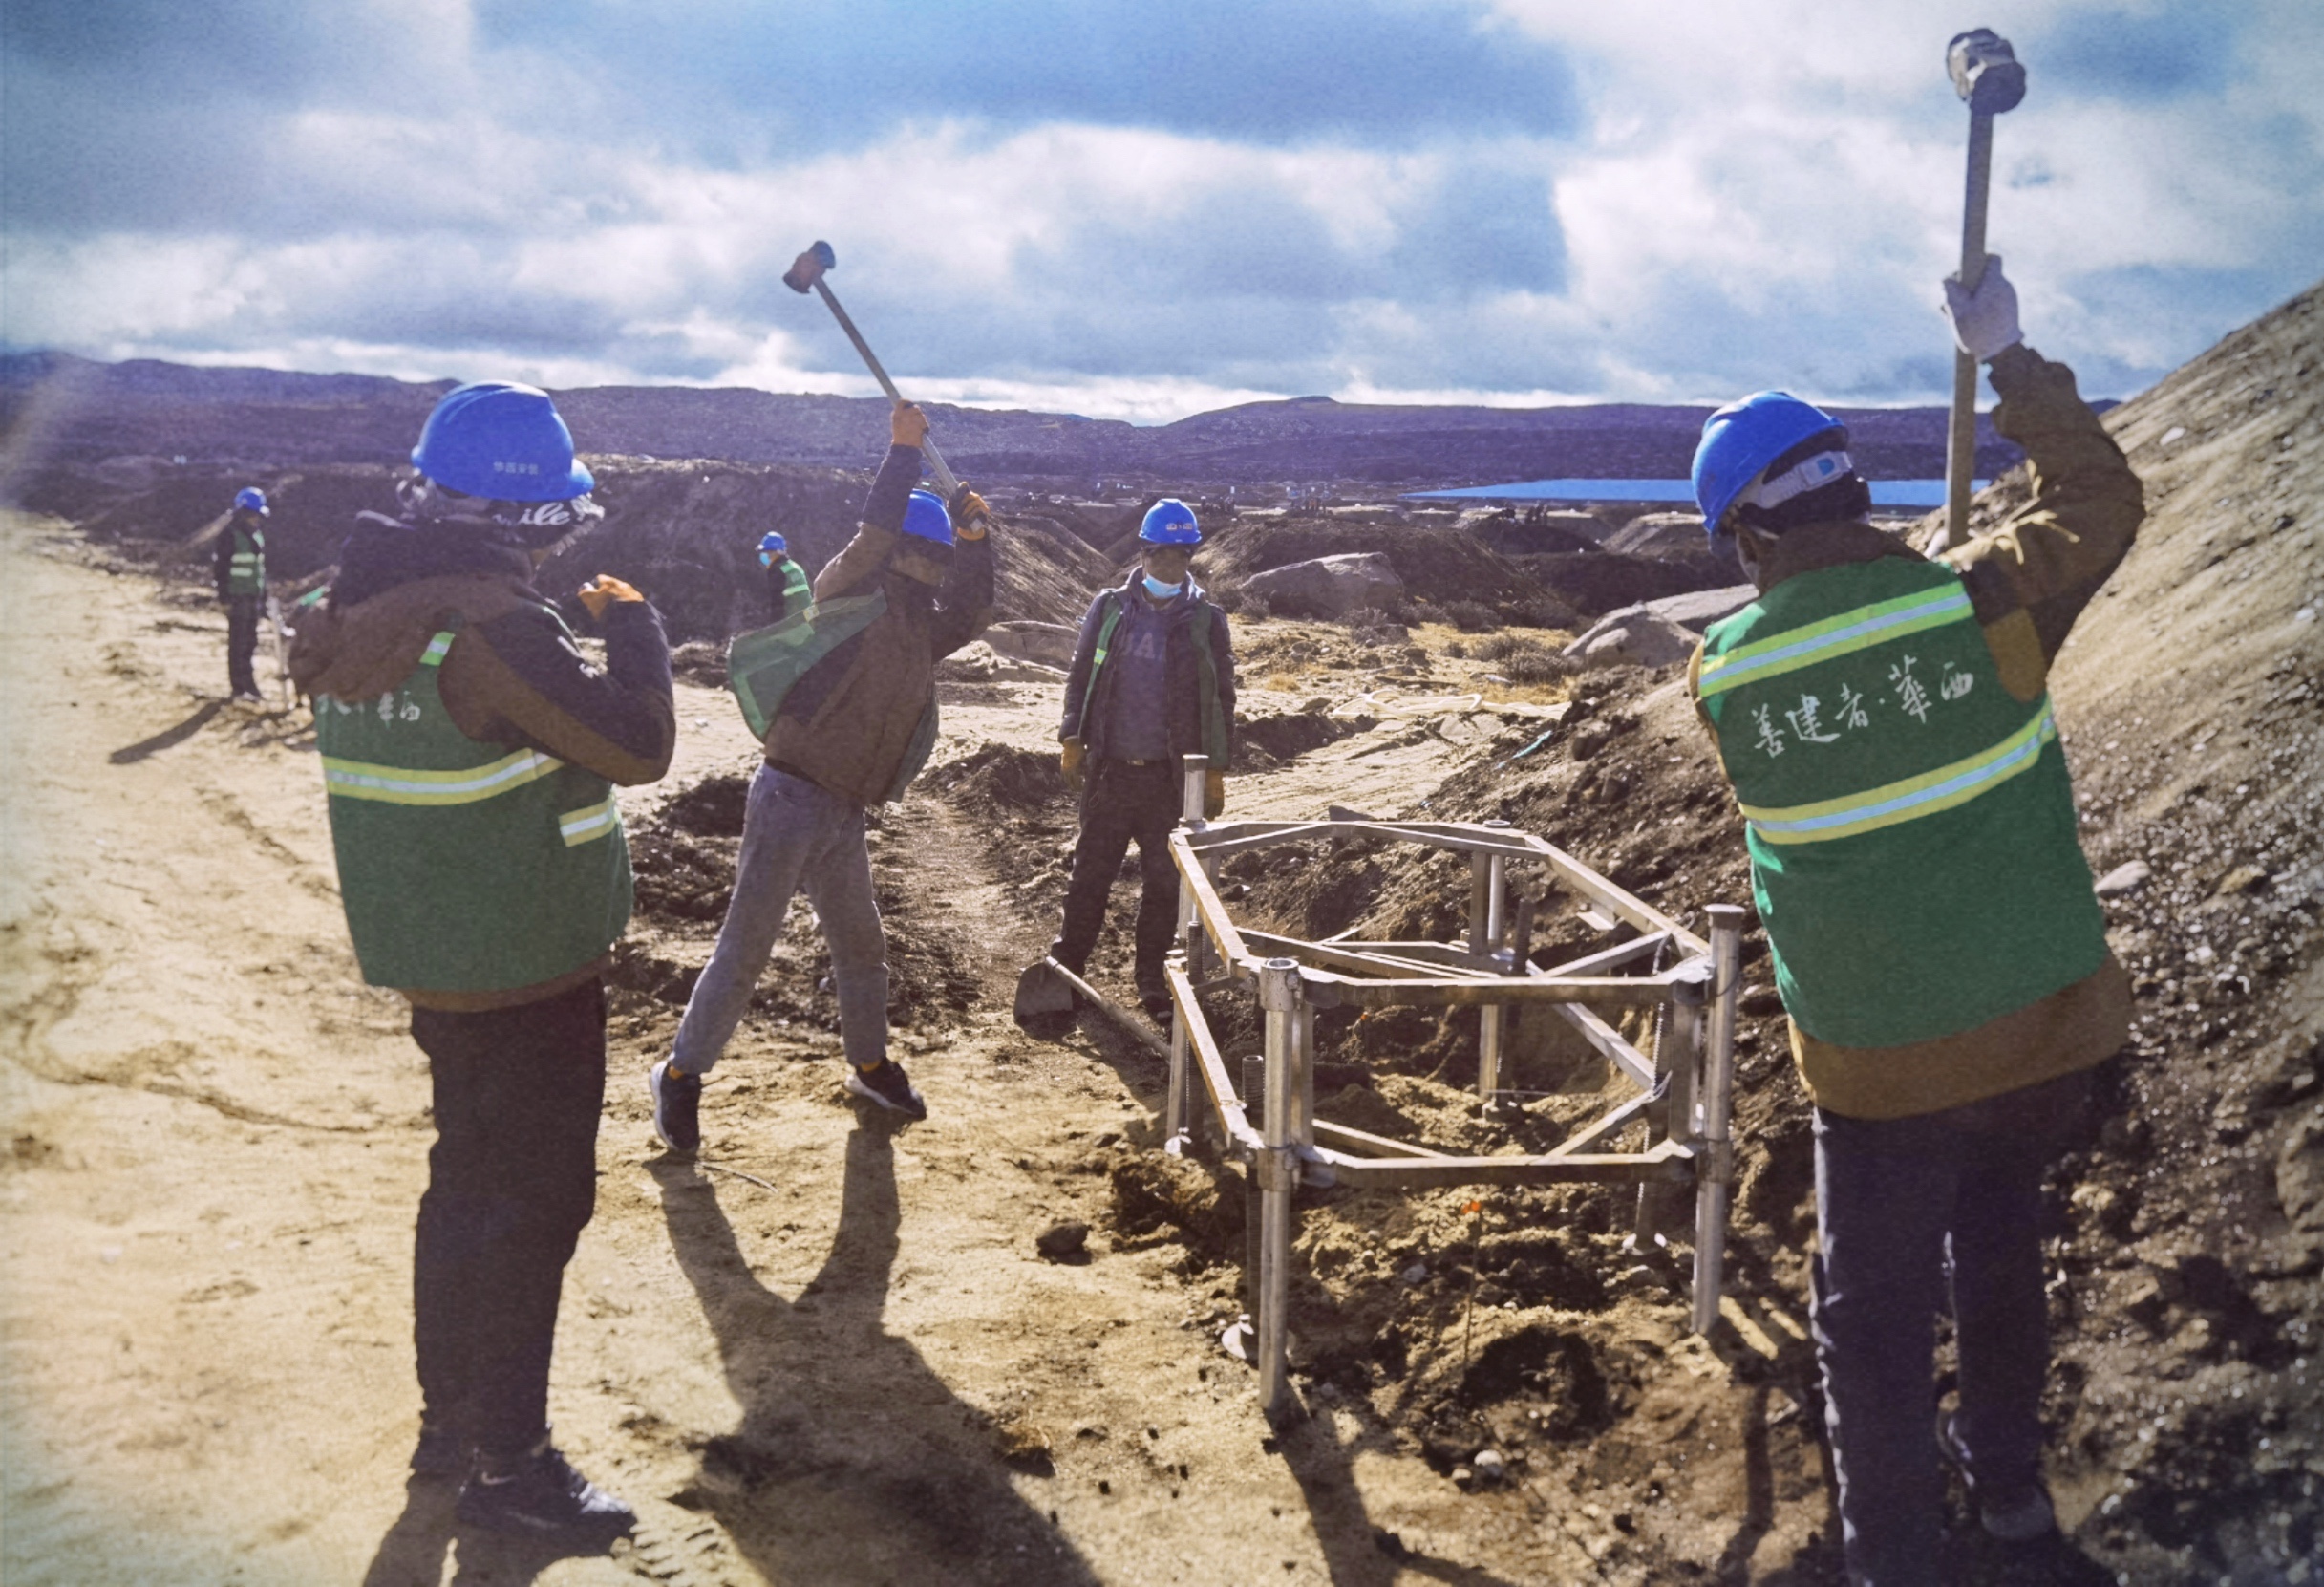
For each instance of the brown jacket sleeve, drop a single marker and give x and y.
(2054, 553)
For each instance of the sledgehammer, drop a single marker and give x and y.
(1987, 74)
(805, 274)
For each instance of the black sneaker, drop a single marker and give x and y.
(1158, 1006)
(441, 1453)
(677, 1105)
(2009, 1517)
(886, 1083)
(544, 1495)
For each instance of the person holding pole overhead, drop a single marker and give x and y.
(1884, 719)
(852, 731)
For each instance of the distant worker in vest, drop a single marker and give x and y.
(240, 568)
(470, 753)
(788, 592)
(1153, 678)
(1885, 722)
(852, 731)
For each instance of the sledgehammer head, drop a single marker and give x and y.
(809, 267)
(1985, 71)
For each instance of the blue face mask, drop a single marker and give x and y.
(1160, 590)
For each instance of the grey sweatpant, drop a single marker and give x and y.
(796, 836)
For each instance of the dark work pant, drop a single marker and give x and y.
(512, 1179)
(1122, 803)
(242, 641)
(1902, 1205)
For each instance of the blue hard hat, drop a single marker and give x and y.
(1742, 439)
(1170, 521)
(252, 498)
(924, 518)
(504, 441)
(769, 546)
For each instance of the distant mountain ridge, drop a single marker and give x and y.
(65, 410)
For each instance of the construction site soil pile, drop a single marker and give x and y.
(1439, 566)
(857, 1361)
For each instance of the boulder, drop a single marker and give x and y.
(1329, 587)
(1699, 609)
(1634, 638)
(1051, 644)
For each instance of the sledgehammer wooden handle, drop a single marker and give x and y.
(807, 272)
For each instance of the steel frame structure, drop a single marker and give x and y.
(1683, 1090)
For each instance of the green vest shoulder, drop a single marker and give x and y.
(1215, 747)
(1910, 822)
(465, 866)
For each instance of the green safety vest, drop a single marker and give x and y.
(247, 567)
(1205, 674)
(465, 866)
(796, 592)
(762, 665)
(1910, 822)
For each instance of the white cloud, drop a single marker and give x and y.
(1755, 194)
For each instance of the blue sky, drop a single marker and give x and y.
(1145, 209)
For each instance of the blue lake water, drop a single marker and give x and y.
(1886, 493)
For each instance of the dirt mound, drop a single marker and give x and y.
(1513, 536)
(1439, 566)
(1660, 534)
(1598, 582)
(1002, 780)
(1265, 742)
(684, 860)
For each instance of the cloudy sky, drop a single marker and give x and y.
(1142, 209)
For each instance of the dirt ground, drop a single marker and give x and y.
(833, 1353)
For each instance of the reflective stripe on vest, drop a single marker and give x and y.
(1911, 798)
(585, 824)
(403, 786)
(1834, 637)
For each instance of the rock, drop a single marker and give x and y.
(1697, 610)
(1415, 1274)
(1761, 1001)
(1062, 1240)
(2244, 878)
(1463, 1479)
(1329, 587)
(1489, 1466)
(2127, 877)
(1638, 638)
(1050, 644)
(2299, 1175)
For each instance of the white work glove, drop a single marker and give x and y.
(1984, 322)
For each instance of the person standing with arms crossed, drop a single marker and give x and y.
(470, 753)
(1885, 723)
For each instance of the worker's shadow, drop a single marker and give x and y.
(854, 1462)
(1356, 1552)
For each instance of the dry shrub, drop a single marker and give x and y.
(1469, 616)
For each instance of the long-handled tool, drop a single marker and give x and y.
(1049, 988)
(1987, 74)
(805, 276)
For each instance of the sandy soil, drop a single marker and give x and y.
(834, 1355)
(850, 1367)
